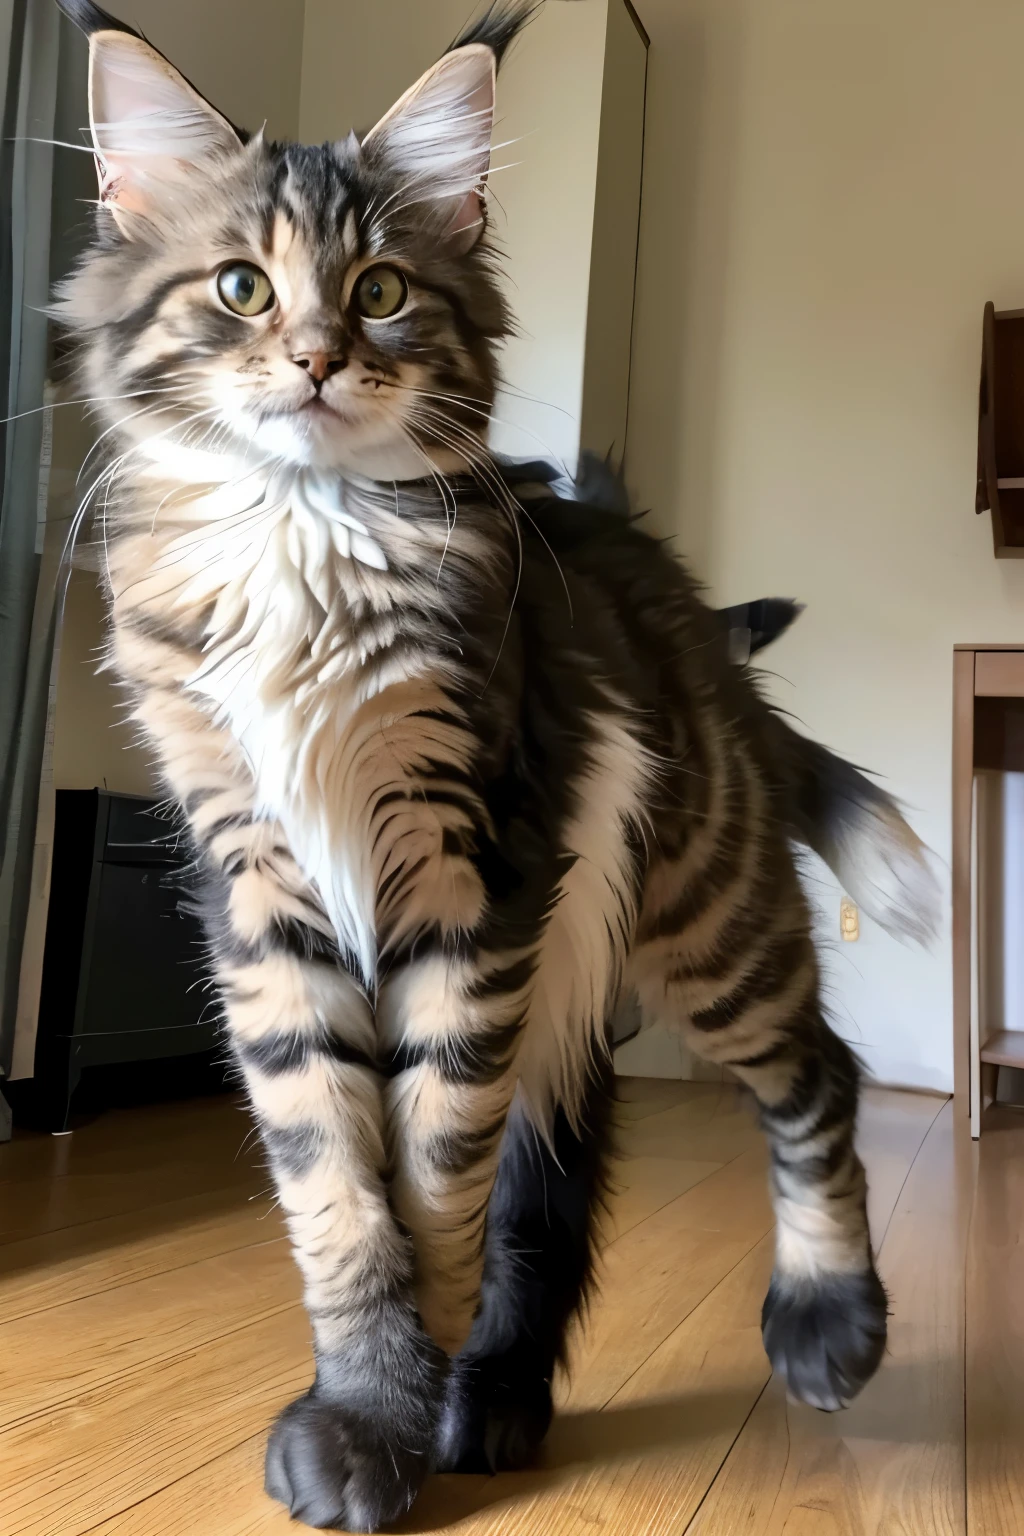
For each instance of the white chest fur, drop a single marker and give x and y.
(312, 697)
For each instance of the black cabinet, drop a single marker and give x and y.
(123, 973)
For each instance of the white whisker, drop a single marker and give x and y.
(136, 394)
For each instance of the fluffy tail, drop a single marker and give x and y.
(861, 834)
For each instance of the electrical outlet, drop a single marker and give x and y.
(849, 920)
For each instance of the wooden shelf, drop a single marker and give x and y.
(1001, 430)
(1005, 1049)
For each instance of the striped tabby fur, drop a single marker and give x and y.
(459, 759)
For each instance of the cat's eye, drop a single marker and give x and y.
(245, 289)
(381, 292)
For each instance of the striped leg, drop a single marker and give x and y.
(354, 1450)
(452, 1026)
(542, 1228)
(743, 983)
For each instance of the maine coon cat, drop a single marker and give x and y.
(460, 760)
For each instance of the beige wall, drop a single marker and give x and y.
(245, 55)
(358, 58)
(831, 194)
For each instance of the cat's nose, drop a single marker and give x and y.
(320, 365)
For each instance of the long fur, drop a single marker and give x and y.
(461, 758)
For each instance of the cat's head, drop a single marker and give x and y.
(332, 306)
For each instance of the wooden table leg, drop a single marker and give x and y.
(963, 776)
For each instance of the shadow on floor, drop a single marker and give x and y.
(578, 1441)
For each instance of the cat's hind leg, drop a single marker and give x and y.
(739, 976)
(541, 1233)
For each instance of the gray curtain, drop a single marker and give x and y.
(29, 36)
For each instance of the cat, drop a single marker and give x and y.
(460, 760)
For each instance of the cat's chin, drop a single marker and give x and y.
(334, 445)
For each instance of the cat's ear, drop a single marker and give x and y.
(151, 130)
(438, 138)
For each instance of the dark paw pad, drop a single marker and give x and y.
(825, 1337)
(339, 1470)
(496, 1415)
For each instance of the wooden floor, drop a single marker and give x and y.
(150, 1327)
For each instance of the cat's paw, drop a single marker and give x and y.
(338, 1469)
(825, 1337)
(497, 1411)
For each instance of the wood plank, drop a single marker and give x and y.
(716, 1129)
(154, 1132)
(652, 1278)
(891, 1121)
(112, 1447)
(642, 1464)
(222, 1498)
(101, 1256)
(891, 1129)
(892, 1463)
(697, 1103)
(114, 1439)
(639, 1466)
(638, 1097)
(103, 1339)
(995, 1334)
(218, 1135)
(671, 1366)
(39, 1205)
(644, 1185)
(121, 1163)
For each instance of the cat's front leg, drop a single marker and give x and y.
(353, 1451)
(453, 1024)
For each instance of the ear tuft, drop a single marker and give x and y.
(499, 26)
(89, 18)
(438, 138)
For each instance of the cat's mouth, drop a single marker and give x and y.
(319, 409)
(327, 432)
(318, 406)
